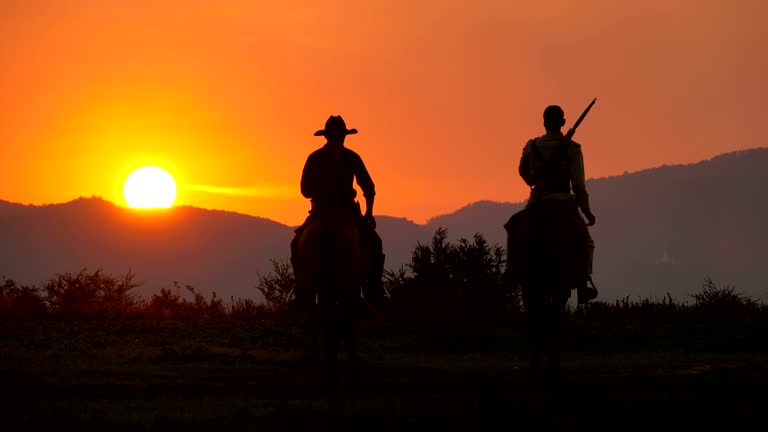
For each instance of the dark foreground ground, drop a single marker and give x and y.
(238, 374)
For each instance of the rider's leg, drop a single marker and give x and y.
(351, 339)
(584, 291)
(301, 299)
(535, 322)
(373, 290)
(555, 312)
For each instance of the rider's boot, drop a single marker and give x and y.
(584, 292)
(373, 291)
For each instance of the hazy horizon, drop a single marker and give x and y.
(426, 221)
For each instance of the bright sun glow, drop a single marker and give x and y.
(149, 187)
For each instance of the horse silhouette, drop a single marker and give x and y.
(330, 264)
(545, 256)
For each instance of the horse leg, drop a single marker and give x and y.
(330, 336)
(353, 344)
(331, 353)
(555, 311)
(350, 336)
(537, 337)
(552, 349)
(535, 323)
(315, 333)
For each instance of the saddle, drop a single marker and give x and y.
(543, 239)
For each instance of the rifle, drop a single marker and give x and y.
(567, 137)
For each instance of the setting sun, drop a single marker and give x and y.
(149, 187)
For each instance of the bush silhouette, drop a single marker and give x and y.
(723, 301)
(20, 299)
(277, 285)
(453, 280)
(444, 281)
(90, 292)
(170, 303)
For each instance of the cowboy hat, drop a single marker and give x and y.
(335, 125)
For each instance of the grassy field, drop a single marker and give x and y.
(619, 371)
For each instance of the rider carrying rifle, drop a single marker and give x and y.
(553, 165)
(327, 181)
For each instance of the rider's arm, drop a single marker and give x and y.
(365, 182)
(308, 178)
(578, 182)
(369, 205)
(524, 167)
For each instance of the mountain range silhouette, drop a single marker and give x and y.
(661, 230)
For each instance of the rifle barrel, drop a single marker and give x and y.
(584, 114)
(572, 130)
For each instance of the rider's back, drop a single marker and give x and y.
(328, 178)
(554, 168)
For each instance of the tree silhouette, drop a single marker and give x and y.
(454, 280)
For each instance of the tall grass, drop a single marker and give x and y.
(96, 293)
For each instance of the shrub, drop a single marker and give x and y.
(95, 292)
(723, 301)
(246, 308)
(171, 304)
(276, 286)
(166, 304)
(20, 299)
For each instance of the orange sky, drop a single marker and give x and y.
(444, 93)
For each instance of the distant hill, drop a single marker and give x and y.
(210, 250)
(664, 229)
(658, 230)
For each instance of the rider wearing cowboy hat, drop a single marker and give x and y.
(327, 181)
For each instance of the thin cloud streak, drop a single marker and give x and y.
(263, 191)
